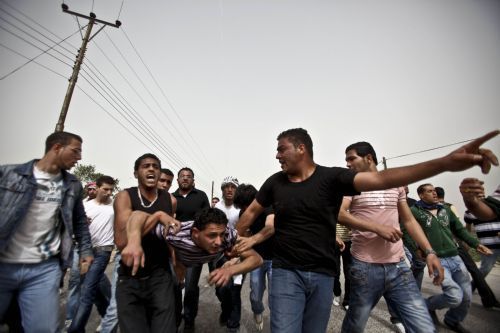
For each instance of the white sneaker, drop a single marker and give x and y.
(336, 300)
(399, 327)
(99, 328)
(259, 321)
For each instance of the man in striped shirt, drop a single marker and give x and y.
(203, 240)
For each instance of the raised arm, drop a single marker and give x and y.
(248, 217)
(436, 271)
(461, 159)
(346, 218)
(472, 191)
(249, 260)
(245, 243)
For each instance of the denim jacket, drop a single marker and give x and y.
(17, 190)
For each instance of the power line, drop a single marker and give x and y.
(426, 150)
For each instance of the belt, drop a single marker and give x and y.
(106, 248)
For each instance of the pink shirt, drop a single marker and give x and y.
(377, 207)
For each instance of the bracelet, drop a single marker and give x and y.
(429, 251)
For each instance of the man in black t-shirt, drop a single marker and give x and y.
(306, 198)
(190, 201)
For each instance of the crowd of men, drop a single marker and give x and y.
(284, 235)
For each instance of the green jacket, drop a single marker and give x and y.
(441, 228)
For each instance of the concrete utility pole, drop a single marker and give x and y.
(79, 60)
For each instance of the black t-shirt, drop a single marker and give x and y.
(305, 217)
(188, 206)
(265, 249)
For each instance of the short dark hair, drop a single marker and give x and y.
(207, 216)
(216, 198)
(105, 180)
(439, 192)
(143, 157)
(63, 138)
(298, 136)
(363, 148)
(244, 195)
(421, 188)
(185, 169)
(167, 172)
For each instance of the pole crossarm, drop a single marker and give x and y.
(79, 60)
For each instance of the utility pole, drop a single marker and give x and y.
(79, 60)
(385, 163)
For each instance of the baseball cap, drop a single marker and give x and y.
(230, 180)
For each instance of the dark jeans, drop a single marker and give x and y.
(191, 293)
(146, 304)
(487, 296)
(346, 264)
(89, 289)
(230, 300)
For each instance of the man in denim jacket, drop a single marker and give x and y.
(41, 210)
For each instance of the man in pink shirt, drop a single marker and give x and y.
(378, 266)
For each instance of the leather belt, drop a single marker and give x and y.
(106, 248)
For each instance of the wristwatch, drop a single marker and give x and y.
(429, 251)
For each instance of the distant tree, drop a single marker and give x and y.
(87, 173)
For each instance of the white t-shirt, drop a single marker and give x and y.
(232, 213)
(38, 236)
(101, 227)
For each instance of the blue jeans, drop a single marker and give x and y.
(301, 301)
(37, 287)
(89, 289)
(487, 262)
(103, 295)
(456, 291)
(369, 282)
(258, 285)
(109, 323)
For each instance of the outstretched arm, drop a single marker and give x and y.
(246, 243)
(461, 159)
(250, 260)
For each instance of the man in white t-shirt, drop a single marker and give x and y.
(100, 215)
(378, 267)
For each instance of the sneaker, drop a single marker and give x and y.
(345, 306)
(67, 324)
(99, 328)
(336, 301)
(399, 327)
(259, 321)
(457, 327)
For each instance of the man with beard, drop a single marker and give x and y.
(190, 201)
